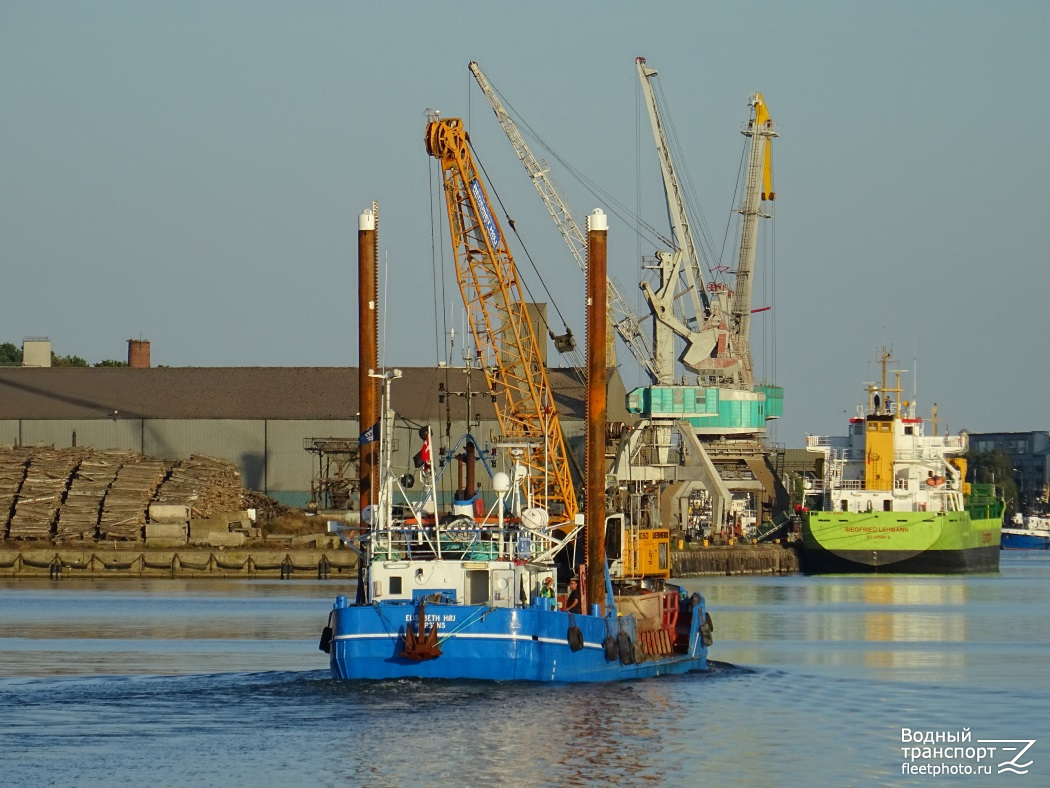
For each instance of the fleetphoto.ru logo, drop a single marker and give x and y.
(1017, 749)
(956, 753)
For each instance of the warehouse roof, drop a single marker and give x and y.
(251, 393)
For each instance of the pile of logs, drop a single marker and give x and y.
(13, 464)
(206, 484)
(266, 508)
(77, 494)
(128, 498)
(46, 481)
(78, 518)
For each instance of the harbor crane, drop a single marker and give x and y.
(719, 352)
(758, 187)
(499, 321)
(516, 376)
(708, 321)
(621, 316)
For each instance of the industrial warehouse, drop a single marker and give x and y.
(291, 432)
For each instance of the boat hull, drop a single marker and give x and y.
(899, 542)
(1024, 540)
(498, 644)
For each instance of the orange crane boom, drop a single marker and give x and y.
(499, 321)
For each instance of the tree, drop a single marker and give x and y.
(111, 363)
(10, 354)
(67, 361)
(994, 467)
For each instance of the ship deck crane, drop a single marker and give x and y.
(500, 324)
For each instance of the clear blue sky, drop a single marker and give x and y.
(191, 173)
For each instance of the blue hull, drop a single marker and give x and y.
(1025, 541)
(499, 644)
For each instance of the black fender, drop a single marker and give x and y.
(625, 646)
(575, 638)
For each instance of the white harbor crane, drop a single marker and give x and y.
(622, 318)
(711, 321)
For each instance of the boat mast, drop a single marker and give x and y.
(386, 443)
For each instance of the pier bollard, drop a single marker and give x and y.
(55, 570)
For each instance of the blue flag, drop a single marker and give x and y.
(370, 435)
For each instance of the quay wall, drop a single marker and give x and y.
(328, 563)
(58, 563)
(759, 559)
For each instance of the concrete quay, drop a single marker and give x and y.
(739, 559)
(58, 562)
(63, 562)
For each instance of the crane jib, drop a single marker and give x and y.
(486, 214)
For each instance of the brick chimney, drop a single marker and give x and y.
(138, 353)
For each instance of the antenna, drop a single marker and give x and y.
(914, 382)
(386, 294)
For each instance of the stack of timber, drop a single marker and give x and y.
(13, 464)
(128, 498)
(206, 484)
(266, 508)
(78, 494)
(79, 516)
(47, 479)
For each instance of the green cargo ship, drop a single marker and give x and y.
(894, 499)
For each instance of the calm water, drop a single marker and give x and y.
(168, 682)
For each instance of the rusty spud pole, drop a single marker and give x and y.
(367, 348)
(597, 409)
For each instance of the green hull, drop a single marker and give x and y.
(915, 542)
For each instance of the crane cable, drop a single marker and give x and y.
(574, 355)
(629, 217)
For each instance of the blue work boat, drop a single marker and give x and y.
(461, 597)
(465, 595)
(1027, 532)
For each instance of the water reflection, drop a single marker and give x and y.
(853, 659)
(894, 628)
(160, 627)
